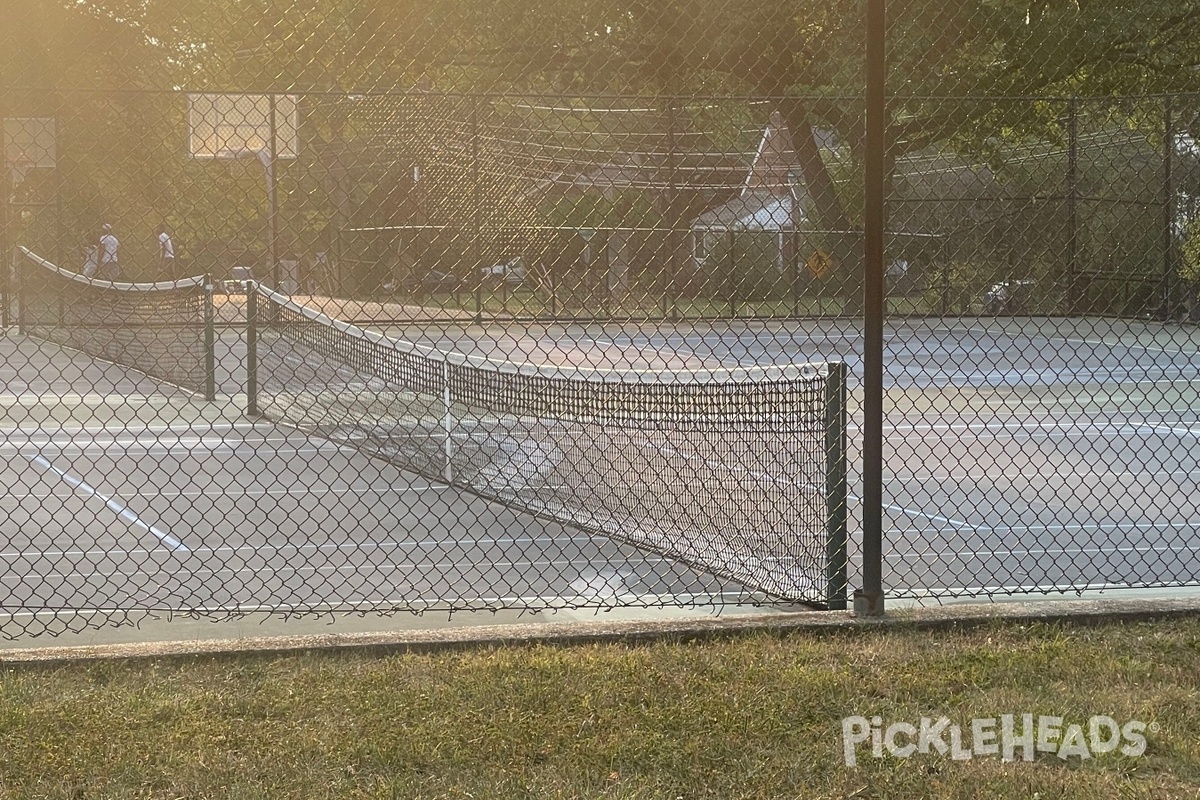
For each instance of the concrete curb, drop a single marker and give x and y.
(959, 616)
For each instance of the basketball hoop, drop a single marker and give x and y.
(235, 126)
(29, 143)
(243, 156)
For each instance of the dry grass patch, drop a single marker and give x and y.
(749, 717)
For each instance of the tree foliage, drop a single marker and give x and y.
(803, 57)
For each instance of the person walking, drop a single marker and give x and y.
(91, 259)
(110, 267)
(166, 251)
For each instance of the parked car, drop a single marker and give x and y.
(438, 281)
(512, 271)
(433, 281)
(1007, 297)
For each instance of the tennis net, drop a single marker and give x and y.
(164, 329)
(736, 471)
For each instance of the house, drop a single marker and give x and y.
(771, 203)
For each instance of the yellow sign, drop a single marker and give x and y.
(819, 263)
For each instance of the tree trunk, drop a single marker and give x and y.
(826, 205)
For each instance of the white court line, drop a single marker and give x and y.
(909, 477)
(199, 426)
(122, 511)
(957, 523)
(940, 595)
(1181, 431)
(234, 492)
(1053, 424)
(1120, 345)
(148, 447)
(1094, 527)
(1044, 434)
(912, 512)
(1049, 551)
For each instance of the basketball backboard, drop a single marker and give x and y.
(239, 125)
(29, 143)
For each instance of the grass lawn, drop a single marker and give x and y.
(756, 716)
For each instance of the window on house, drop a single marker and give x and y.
(699, 246)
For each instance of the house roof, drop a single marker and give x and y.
(769, 194)
(773, 161)
(707, 172)
(758, 210)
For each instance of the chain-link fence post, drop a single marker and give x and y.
(674, 215)
(1168, 201)
(7, 251)
(251, 349)
(271, 165)
(1073, 278)
(731, 279)
(869, 600)
(210, 340)
(475, 254)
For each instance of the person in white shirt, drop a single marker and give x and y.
(110, 267)
(166, 248)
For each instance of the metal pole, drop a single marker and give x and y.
(731, 273)
(1072, 207)
(835, 486)
(795, 256)
(868, 601)
(1168, 209)
(477, 206)
(272, 197)
(23, 320)
(672, 215)
(60, 225)
(944, 257)
(210, 361)
(6, 257)
(447, 422)
(251, 349)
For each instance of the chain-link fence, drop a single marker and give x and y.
(387, 308)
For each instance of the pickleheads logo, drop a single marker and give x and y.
(1001, 736)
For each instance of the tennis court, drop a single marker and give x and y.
(1023, 455)
(155, 499)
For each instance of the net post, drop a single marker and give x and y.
(447, 423)
(210, 341)
(251, 349)
(835, 486)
